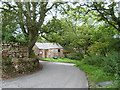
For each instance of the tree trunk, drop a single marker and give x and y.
(32, 41)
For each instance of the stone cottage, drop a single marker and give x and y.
(48, 50)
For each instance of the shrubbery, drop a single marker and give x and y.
(93, 60)
(76, 55)
(98, 48)
(109, 63)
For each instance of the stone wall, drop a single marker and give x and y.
(14, 50)
(15, 60)
(55, 52)
(48, 53)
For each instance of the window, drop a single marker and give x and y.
(58, 50)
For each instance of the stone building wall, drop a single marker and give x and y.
(14, 50)
(37, 52)
(55, 52)
(48, 53)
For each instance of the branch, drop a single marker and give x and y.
(5, 9)
(105, 17)
(22, 27)
(42, 13)
(27, 4)
(51, 7)
(34, 10)
(21, 18)
(10, 6)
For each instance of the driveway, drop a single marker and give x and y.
(53, 75)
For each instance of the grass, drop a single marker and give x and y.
(94, 74)
(64, 60)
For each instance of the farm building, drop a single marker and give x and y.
(48, 50)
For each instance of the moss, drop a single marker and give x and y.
(7, 61)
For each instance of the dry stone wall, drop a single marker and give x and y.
(14, 50)
(15, 60)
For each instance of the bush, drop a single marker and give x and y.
(111, 63)
(76, 55)
(93, 60)
(98, 48)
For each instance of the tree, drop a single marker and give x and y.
(107, 11)
(8, 26)
(75, 37)
(30, 17)
(103, 11)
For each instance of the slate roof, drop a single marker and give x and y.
(47, 45)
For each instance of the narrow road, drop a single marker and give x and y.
(53, 75)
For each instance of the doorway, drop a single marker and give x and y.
(46, 53)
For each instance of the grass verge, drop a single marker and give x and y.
(64, 60)
(94, 74)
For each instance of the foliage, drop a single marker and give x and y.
(93, 60)
(8, 26)
(76, 55)
(29, 16)
(79, 41)
(41, 40)
(94, 74)
(98, 48)
(111, 63)
(89, 29)
(110, 17)
(114, 44)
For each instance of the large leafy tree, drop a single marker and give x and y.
(8, 26)
(106, 11)
(30, 17)
(75, 37)
(103, 11)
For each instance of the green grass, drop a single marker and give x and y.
(64, 60)
(94, 74)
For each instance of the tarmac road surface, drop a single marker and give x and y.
(53, 75)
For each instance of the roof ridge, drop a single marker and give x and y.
(48, 45)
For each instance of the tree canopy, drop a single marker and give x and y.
(79, 22)
(30, 17)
